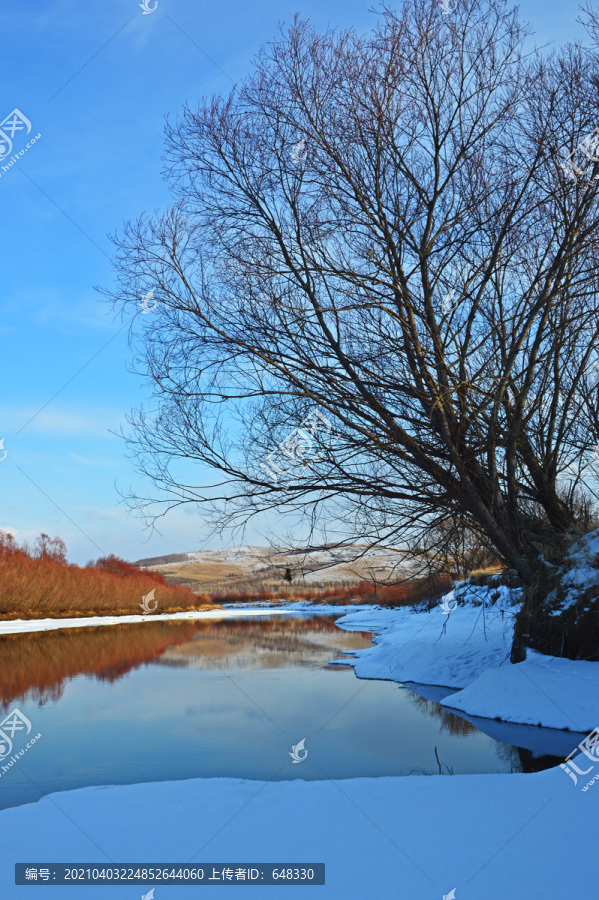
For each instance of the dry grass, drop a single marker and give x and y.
(42, 584)
(41, 587)
(486, 570)
(404, 594)
(259, 576)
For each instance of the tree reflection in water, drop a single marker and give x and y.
(37, 665)
(520, 759)
(450, 722)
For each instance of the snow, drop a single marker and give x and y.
(431, 647)
(343, 564)
(263, 557)
(299, 606)
(557, 693)
(579, 569)
(489, 837)
(469, 649)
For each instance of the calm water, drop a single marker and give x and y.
(162, 700)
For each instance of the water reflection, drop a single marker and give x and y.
(272, 644)
(37, 665)
(449, 722)
(527, 748)
(533, 748)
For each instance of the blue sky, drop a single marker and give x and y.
(97, 81)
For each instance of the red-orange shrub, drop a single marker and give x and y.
(117, 566)
(45, 585)
(8, 545)
(50, 548)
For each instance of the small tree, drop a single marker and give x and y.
(8, 545)
(46, 547)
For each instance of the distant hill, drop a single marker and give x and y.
(252, 569)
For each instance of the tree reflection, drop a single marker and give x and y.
(271, 644)
(450, 723)
(37, 665)
(519, 759)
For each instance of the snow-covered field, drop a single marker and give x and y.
(488, 837)
(344, 564)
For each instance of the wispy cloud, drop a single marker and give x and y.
(63, 311)
(91, 424)
(97, 462)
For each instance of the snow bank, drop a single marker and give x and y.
(301, 606)
(431, 647)
(486, 837)
(579, 570)
(489, 837)
(469, 648)
(542, 690)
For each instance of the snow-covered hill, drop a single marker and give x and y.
(252, 565)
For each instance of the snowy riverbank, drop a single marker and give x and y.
(469, 649)
(229, 611)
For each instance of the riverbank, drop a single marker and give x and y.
(487, 837)
(39, 582)
(468, 649)
(21, 626)
(419, 837)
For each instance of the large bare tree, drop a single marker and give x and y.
(380, 274)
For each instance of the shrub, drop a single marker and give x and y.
(117, 566)
(405, 593)
(44, 584)
(8, 545)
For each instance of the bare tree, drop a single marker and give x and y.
(396, 234)
(46, 547)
